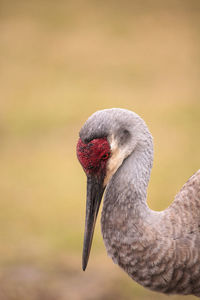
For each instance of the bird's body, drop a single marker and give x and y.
(160, 250)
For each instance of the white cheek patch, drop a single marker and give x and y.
(115, 161)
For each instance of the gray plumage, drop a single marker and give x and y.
(159, 250)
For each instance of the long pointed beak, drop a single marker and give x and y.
(95, 191)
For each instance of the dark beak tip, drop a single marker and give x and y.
(84, 268)
(84, 265)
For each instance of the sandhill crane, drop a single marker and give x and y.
(159, 250)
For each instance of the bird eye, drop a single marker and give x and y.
(106, 156)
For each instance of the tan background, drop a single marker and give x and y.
(59, 62)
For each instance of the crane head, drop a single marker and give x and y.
(107, 138)
(93, 156)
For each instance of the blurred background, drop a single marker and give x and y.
(60, 61)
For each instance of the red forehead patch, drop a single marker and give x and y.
(91, 153)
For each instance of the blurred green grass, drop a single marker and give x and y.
(60, 62)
